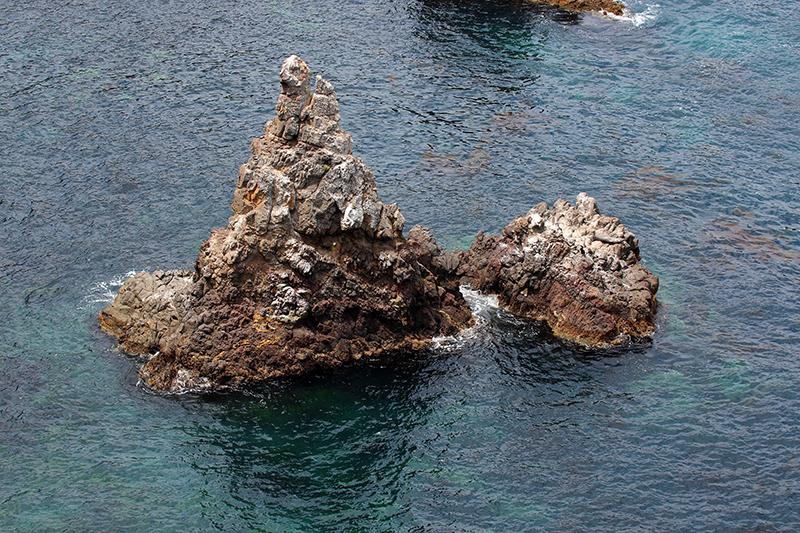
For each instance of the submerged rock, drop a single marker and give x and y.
(313, 271)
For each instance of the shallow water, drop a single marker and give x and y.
(123, 127)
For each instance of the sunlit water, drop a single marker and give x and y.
(123, 126)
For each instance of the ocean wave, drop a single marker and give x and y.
(481, 306)
(479, 303)
(104, 292)
(636, 18)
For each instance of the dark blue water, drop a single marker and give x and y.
(123, 125)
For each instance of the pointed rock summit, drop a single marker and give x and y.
(313, 271)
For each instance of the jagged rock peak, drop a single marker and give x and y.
(302, 179)
(312, 271)
(312, 118)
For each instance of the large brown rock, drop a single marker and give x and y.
(313, 271)
(603, 6)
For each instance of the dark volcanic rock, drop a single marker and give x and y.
(571, 267)
(313, 271)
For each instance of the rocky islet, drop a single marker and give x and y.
(313, 271)
(569, 266)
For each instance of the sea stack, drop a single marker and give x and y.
(313, 271)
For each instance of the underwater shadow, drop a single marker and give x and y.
(493, 42)
(527, 353)
(322, 452)
(474, 17)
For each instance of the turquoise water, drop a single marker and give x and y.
(123, 126)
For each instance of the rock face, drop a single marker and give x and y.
(571, 267)
(313, 271)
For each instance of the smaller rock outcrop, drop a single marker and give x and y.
(568, 266)
(148, 310)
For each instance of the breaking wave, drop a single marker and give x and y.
(638, 19)
(104, 292)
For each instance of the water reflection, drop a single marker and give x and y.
(382, 448)
(320, 453)
(513, 31)
(489, 22)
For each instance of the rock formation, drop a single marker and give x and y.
(603, 6)
(571, 267)
(313, 271)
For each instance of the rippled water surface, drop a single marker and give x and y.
(123, 125)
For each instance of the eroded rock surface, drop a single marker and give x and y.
(313, 271)
(571, 267)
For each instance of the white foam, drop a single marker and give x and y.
(637, 19)
(104, 292)
(479, 302)
(448, 342)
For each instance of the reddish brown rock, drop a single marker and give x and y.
(312, 272)
(568, 266)
(602, 6)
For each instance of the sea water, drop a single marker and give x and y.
(123, 125)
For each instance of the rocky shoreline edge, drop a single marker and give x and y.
(313, 271)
